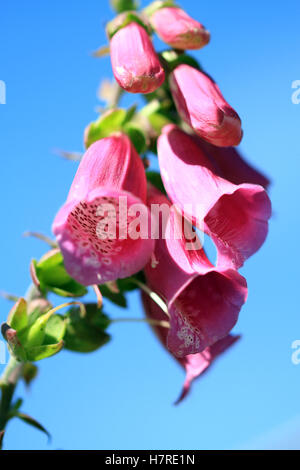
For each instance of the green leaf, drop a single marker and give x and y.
(32, 422)
(86, 334)
(136, 135)
(155, 179)
(42, 352)
(17, 317)
(55, 329)
(52, 275)
(109, 122)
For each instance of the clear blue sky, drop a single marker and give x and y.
(121, 396)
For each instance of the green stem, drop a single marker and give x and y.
(10, 377)
(153, 296)
(8, 383)
(162, 323)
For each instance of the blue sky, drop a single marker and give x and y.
(121, 396)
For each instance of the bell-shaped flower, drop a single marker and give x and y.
(234, 216)
(193, 364)
(231, 165)
(202, 106)
(102, 227)
(176, 28)
(135, 64)
(203, 301)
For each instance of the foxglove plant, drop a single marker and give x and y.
(125, 226)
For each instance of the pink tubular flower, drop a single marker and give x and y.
(93, 228)
(178, 29)
(194, 364)
(203, 301)
(234, 216)
(230, 164)
(135, 64)
(202, 106)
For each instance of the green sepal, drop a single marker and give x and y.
(125, 19)
(34, 334)
(106, 124)
(171, 59)
(37, 353)
(52, 276)
(17, 351)
(36, 308)
(15, 346)
(17, 317)
(113, 121)
(157, 5)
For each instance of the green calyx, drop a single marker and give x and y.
(157, 5)
(125, 19)
(33, 334)
(171, 59)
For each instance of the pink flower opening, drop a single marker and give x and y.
(93, 228)
(135, 64)
(176, 28)
(193, 364)
(202, 106)
(203, 301)
(234, 216)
